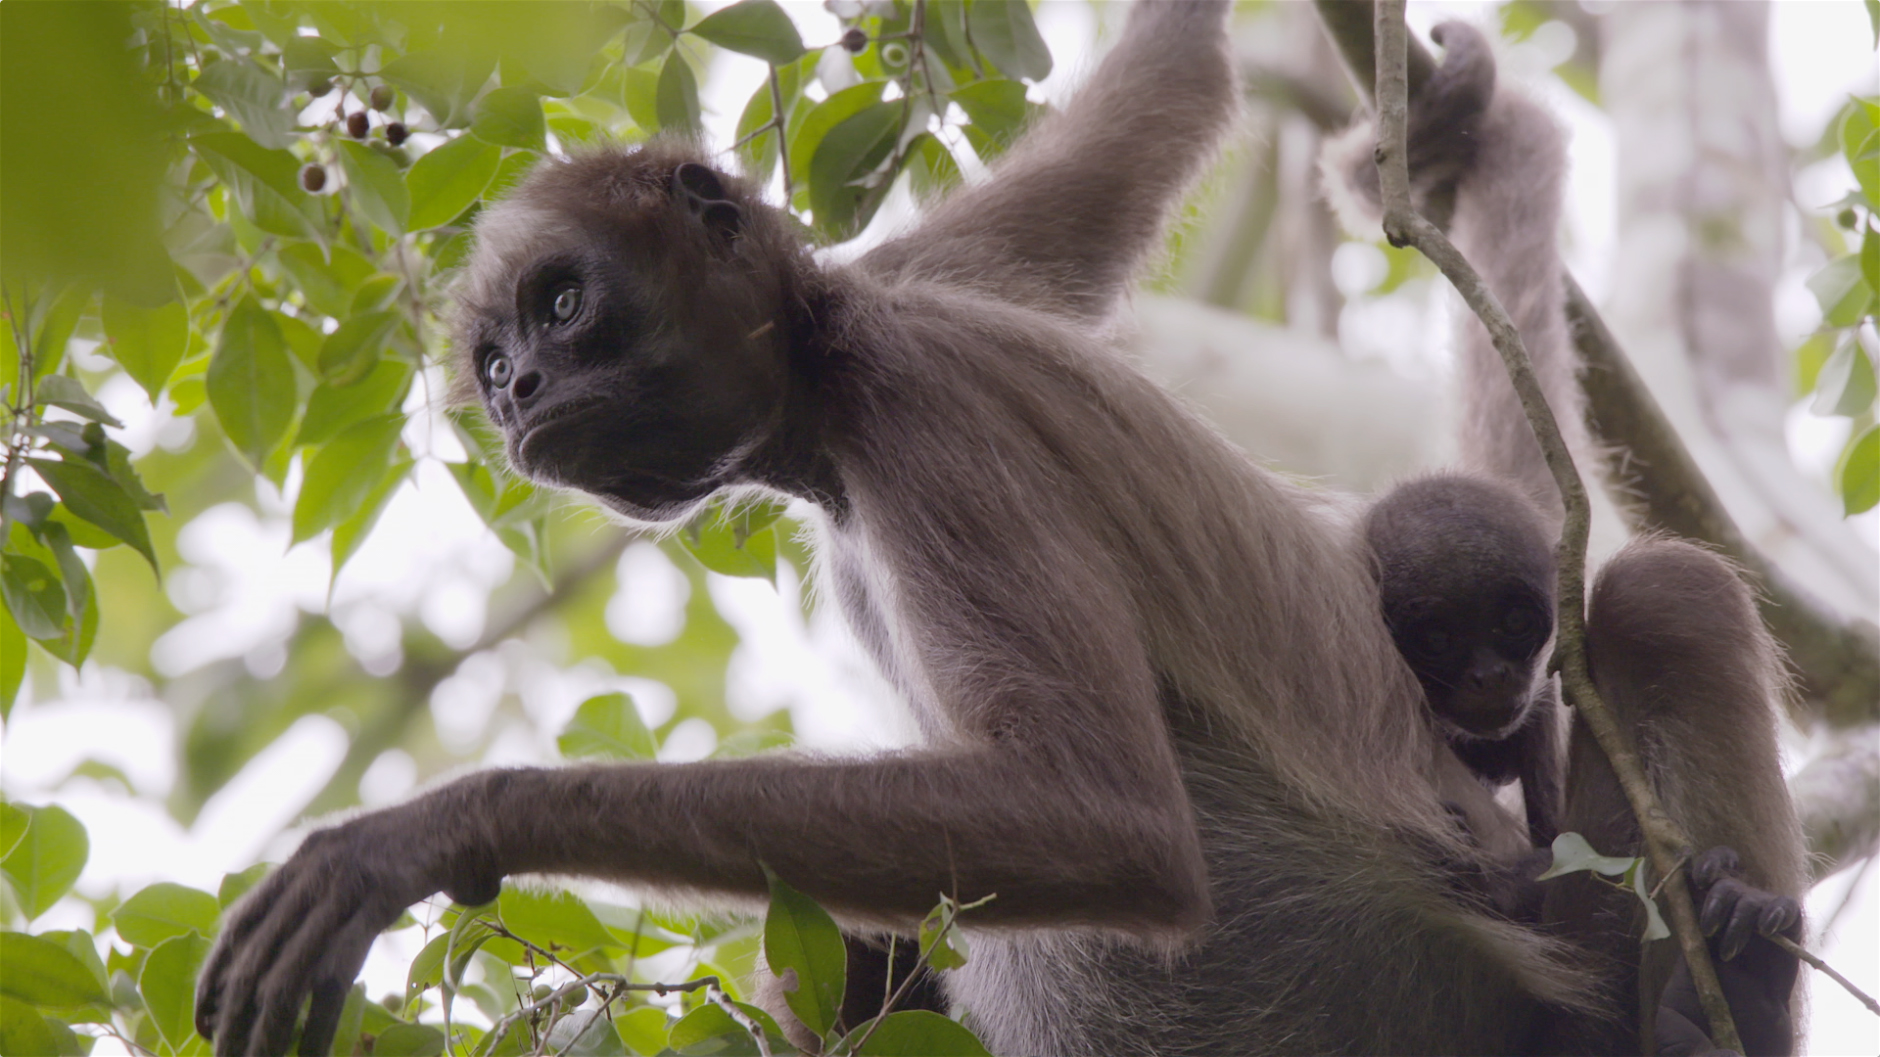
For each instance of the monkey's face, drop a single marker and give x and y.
(631, 356)
(1478, 661)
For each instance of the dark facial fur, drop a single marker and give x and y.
(1466, 578)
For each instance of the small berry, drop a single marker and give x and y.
(313, 178)
(1846, 219)
(396, 132)
(854, 40)
(382, 98)
(356, 124)
(319, 87)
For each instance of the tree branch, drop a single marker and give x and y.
(1665, 841)
(1838, 660)
(1657, 486)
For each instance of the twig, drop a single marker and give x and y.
(717, 997)
(619, 983)
(783, 140)
(1665, 840)
(1796, 949)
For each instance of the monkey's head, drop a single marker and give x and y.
(1466, 579)
(623, 321)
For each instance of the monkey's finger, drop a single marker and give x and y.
(1782, 917)
(1714, 865)
(329, 999)
(1719, 905)
(237, 925)
(1742, 926)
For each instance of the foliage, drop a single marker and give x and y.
(545, 970)
(250, 212)
(1837, 363)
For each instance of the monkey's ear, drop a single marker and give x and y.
(704, 194)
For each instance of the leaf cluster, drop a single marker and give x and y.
(1836, 364)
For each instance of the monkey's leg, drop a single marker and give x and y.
(1677, 650)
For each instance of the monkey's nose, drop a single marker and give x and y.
(526, 386)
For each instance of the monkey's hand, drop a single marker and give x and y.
(1757, 976)
(304, 931)
(1440, 136)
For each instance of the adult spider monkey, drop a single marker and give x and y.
(1208, 821)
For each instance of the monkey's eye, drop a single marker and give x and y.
(498, 370)
(567, 303)
(1520, 621)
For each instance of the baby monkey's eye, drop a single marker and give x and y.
(567, 303)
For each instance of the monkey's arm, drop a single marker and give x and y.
(878, 838)
(1072, 210)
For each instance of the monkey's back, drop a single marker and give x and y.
(1100, 496)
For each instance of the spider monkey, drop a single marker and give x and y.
(1205, 821)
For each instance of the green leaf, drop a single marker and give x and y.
(351, 352)
(735, 542)
(68, 394)
(1654, 924)
(998, 109)
(709, 1030)
(1005, 34)
(377, 187)
(916, 1033)
(147, 343)
(639, 94)
(352, 1018)
(804, 948)
(839, 193)
(168, 984)
(165, 910)
(251, 382)
(331, 409)
(12, 676)
(1573, 854)
(942, 944)
(98, 499)
(753, 27)
(441, 82)
(826, 115)
(446, 181)
(643, 1029)
(327, 280)
(350, 533)
(758, 153)
(34, 596)
(1842, 291)
(409, 1040)
(24, 1031)
(1857, 130)
(266, 183)
(553, 919)
(511, 117)
(235, 885)
(45, 974)
(1870, 256)
(344, 473)
(931, 166)
(1858, 476)
(607, 727)
(677, 95)
(1845, 385)
(253, 97)
(13, 823)
(45, 862)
